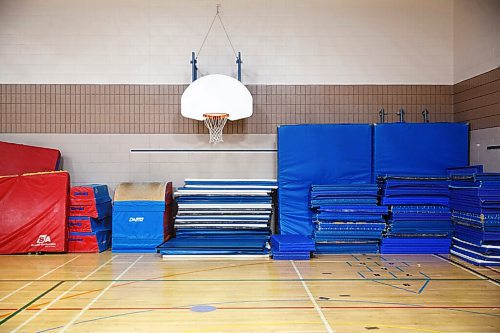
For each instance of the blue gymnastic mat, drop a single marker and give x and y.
(415, 245)
(291, 255)
(487, 249)
(427, 148)
(346, 248)
(476, 235)
(318, 154)
(467, 171)
(292, 243)
(475, 257)
(216, 243)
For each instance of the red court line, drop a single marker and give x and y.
(265, 308)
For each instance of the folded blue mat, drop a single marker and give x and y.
(347, 248)
(415, 245)
(292, 242)
(475, 257)
(492, 249)
(291, 255)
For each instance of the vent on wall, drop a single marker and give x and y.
(492, 147)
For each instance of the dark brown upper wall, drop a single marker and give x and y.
(477, 100)
(51, 108)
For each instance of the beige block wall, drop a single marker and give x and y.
(282, 42)
(476, 37)
(479, 154)
(107, 158)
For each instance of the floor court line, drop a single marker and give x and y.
(416, 307)
(470, 270)
(264, 280)
(311, 297)
(55, 300)
(158, 278)
(98, 296)
(13, 314)
(37, 279)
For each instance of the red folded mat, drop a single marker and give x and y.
(33, 212)
(19, 159)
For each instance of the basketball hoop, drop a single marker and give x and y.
(214, 99)
(215, 123)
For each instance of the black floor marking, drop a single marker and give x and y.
(372, 328)
(13, 314)
(497, 281)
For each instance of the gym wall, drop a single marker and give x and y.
(73, 75)
(476, 93)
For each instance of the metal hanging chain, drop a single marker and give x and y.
(217, 15)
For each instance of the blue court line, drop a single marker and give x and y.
(348, 263)
(426, 282)
(423, 287)
(393, 275)
(390, 285)
(361, 275)
(399, 268)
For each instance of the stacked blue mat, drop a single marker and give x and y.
(420, 219)
(347, 218)
(222, 217)
(291, 247)
(475, 204)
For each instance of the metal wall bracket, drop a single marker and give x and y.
(425, 115)
(401, 114)
(381, 115)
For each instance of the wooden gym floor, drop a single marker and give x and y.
(143, 293)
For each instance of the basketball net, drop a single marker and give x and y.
(215, 123)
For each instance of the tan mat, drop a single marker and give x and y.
(140, 192)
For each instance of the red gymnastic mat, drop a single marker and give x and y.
(33, 212)
(19, 159)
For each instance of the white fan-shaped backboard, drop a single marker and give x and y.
(216, 93)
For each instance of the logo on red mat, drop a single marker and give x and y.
(44, 240)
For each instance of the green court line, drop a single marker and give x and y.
(256, 280)
(13, 314)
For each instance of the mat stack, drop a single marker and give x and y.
(347, 218)
(222, 217)
(291, 247)
(475, 204)
(89, 221)
(420, 219)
